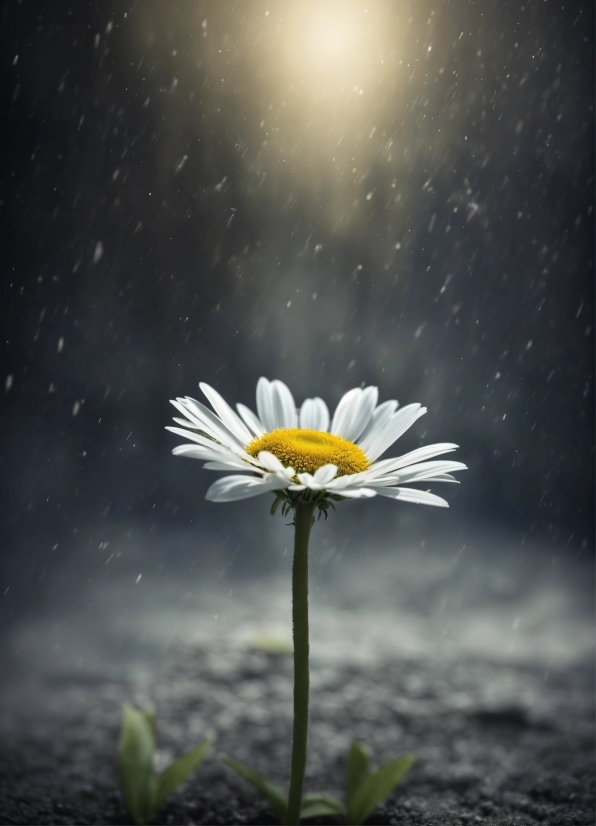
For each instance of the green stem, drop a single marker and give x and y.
(303, 520)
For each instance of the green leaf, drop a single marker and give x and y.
(149, 715)
(177, 772)
(320, 805)
(273, 793)
(137, 744)
(377, 787)
(357, 768)
(276, 503)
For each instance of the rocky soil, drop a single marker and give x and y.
(492, 686)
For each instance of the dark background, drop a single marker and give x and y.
(218, 191)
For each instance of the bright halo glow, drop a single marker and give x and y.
(332, 43)
(318, 90)
(331, 40)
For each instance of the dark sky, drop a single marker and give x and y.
(389, 193)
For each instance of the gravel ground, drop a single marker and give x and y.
(491, 686)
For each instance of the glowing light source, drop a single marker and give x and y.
(332, 39)
(332, 42)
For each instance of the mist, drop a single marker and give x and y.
(396, 194)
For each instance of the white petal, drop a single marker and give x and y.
(358, 493)
(379, 419)
(343, 412)
(394, 428)
(233, 465)
(355, 416)
(319, 481)
(307, 415)
(233, 461)
(307, 480)
(314, 415)
(265, 404)
(196, 452)
(251, 420)
(197, 437)
(325, 474)
(270, 462)
(211, 423)
(192, 420)
(183, 422)
(419, 497)
(419, 472)
(349, 481)
(231, 420)
(284, 406)
(222, 451)
(225, 456)
(283, 479)
(440, 466)
(230, 488)
(420, 454)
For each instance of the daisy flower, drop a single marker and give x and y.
(308, 460)
(304, 453)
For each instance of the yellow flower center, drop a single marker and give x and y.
(308, 450)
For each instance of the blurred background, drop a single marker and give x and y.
(330, 193)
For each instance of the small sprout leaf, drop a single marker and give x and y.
(270, 644)
(357, 768)
(273, 793)
(149, 715)
(377, 787)
(137, 744)
(177, 772)
(321, 805)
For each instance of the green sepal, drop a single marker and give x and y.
(326, 503)
(336, 497)
(324, 506)
(321, 805)
(137, 745)
(177, 772)
(276, 503)
(273, 793)
(377, 787)
(357, 768)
